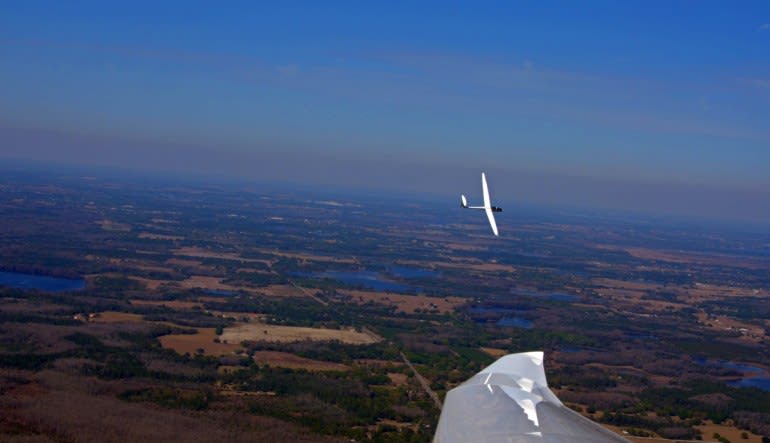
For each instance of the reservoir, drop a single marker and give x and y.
(19, 280)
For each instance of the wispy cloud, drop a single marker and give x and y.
(764, 27)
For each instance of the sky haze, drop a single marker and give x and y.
(650, 106)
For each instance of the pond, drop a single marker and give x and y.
(20, 280)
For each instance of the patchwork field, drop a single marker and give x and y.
(275, 333)
(194, 343)
(474, 265)
(282, 291)
(153, 236)
(114, 317)
(192, 282)
(286, 360)
(405, 303)
(398, 378)
(311, 257)
(232, 337)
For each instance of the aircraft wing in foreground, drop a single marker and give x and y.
(509, 401)
(488, 208)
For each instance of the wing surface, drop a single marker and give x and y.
(491, 217)
(488, 204)
(509, 401)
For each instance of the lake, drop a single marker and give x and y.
(753, 376)
(760, 382)
(20, 280)
(366, 279)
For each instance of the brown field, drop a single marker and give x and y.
(240, 316)
(730, 432)
(291, 361)
(204, 339)
(398, 378)
(706, 291)
(282, 291)
(153, 236)
(310, 257)
(405, 303)
(193, 282)
(115, 317)
(709, 429)
(182, 262)
(109, 225)
(150, 283)
(274, 333)
(494, 352)
(206, 282)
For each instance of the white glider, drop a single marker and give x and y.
(488, 208)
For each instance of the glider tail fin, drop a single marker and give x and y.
(463, 201)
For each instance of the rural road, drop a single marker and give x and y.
(423, 382)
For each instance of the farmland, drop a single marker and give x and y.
(259, 312)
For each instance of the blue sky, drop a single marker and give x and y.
(657, 106)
